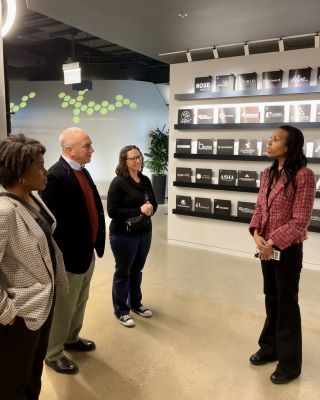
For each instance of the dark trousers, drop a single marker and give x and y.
(281, 334)
(130, 253)
(22, 352)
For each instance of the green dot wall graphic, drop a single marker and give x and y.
(92, 107)
(14, 108)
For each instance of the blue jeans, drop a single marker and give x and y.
(130, 253)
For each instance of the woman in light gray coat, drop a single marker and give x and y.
(30, 265)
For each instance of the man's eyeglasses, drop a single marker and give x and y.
(138, 158)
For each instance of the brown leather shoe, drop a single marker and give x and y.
(64, 365)
(80, 345)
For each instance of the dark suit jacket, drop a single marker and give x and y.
(65, 199)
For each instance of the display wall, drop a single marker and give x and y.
(249, 130)
(114, 113)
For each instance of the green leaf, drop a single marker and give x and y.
(157, 157)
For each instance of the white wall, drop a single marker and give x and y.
(44, 119)
(229, 237)
(3, 127)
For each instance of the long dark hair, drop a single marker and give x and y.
(122, 168)
(294, 158)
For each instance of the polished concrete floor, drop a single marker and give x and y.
(208, 312)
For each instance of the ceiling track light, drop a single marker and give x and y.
(215, 52)
(246, 45)
(11, 15)
(182, 14)
(188, 54)
(281, 45)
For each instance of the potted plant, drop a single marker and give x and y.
(157, 161)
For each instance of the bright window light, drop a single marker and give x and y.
(11, 14)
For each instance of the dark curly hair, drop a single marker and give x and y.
(122, 168)
(17, 153)
(295, 158)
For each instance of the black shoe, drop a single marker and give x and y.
(80, 345)
(278, 378)
(64, 365)
(259, 358)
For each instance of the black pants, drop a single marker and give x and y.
(130, 253)
(281, 334)
(22, 352)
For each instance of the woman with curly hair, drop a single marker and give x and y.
(30, 266)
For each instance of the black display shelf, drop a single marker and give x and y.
(311, 160)
(221, 157)
(247, 93)
(224, 218)
(300, 125)
(231, 218)
(213, 186)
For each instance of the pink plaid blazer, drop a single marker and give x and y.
(285, 216)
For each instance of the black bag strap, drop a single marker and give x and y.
(29, 206)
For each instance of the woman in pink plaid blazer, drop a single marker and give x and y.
(280, 221)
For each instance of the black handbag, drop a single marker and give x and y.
(136, 224)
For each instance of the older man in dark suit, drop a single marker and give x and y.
(72, 197)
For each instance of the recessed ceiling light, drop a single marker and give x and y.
(183, 14)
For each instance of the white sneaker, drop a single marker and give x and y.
(126, 320)
(144, 312)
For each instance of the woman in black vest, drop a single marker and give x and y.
(130, 195)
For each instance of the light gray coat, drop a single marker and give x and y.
(26, 272)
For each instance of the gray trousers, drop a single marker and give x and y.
(69, 312)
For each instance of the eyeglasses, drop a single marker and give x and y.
(138, 158)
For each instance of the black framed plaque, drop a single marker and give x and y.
(185, 116)
(183, 174)
(299, 112)
(225, 83)
(183, 202)
(227, 177)
(247, 178)
(203, 204)
(316, 148)
(227, 115)
(247, 81)
(245, 209)
(204, 175)
(317, 182)
(273, 114)
(272, 79)
(299, 77)
(205, 146)
(225, 146)
(183, 146)
(249, 114)
(205, 116)
(203, 84)
(248, 147)
(315, 218)
(222, 207)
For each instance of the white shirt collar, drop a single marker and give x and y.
(73, 164)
